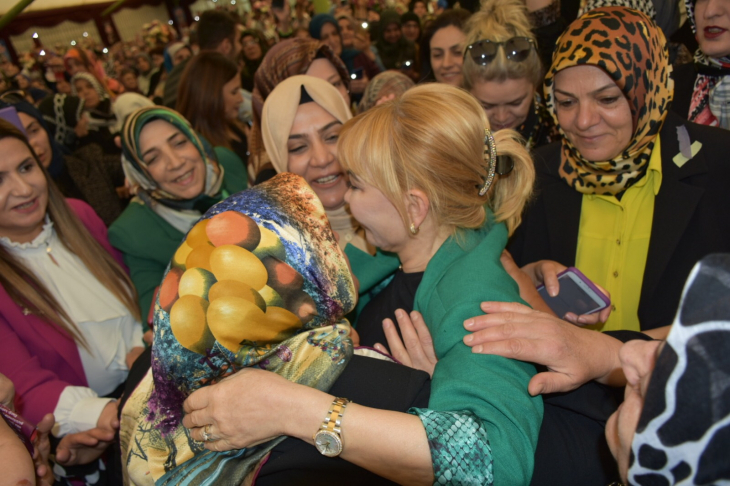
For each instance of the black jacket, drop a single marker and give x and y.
(691, 217)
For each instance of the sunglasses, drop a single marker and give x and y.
(515, 49)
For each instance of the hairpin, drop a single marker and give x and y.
(490, 155)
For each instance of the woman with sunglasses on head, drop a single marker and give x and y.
(703, 87)
(632, 195)
(176, 175)
(69, 322)
(408, 175)
(502, 70)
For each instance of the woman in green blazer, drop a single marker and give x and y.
(438, 196)
(177, 176)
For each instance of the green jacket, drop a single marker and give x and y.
(148, 242)
(464, 272)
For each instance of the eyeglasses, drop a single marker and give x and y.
(515, 49)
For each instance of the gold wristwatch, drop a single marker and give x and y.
(327, 439)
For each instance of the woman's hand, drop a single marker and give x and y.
(573, 356)
(416, 348)
(546, 272)
(83, 447)
(528, 289)
(234, 421)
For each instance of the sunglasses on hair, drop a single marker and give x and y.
(515, 49)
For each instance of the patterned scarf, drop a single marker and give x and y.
(259, 281)
(287, 58)
(683, 434)
(710, 104)
(633, 52)
(180, 213)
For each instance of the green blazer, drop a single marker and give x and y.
(464, 272)
(148, 242)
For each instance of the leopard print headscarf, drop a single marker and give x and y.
(683, 434)
(633, 51)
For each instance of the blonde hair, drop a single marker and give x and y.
(498, 21)
(28, 291)
(432, 138)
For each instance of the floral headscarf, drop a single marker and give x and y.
(710, 103)
(683, 434)
(181, 213)
(633, 51)
(259, 281)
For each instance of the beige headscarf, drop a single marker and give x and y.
(277, 119)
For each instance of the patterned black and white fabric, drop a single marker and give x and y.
(683, 435)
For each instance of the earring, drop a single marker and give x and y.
(414, 229)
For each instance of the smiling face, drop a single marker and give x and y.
(447, 55)
(506, 103)
(593, 112)
(172, 160)
(324, 69)
(712, 18)
(637, 359)
(312, 153)
(232, 97)
(329, 35)
(23, 192)
(38, 139)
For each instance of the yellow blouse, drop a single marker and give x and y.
(613, 243)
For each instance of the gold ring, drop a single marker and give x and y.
(206, 436)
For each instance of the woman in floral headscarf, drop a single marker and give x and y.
(632, 194)
(703, 88)
(177, 176)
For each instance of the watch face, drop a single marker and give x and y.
(328, 443)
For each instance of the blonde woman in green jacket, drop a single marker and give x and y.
(426, 184)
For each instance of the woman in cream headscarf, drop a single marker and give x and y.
(300, 125)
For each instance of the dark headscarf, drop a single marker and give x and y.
(393, 55)
(683, 434)
(251, 66)
(58, 151)
(632, 50)
(315, 30)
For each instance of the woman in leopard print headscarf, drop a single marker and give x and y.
(614, 194)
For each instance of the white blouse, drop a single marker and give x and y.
(105, 323)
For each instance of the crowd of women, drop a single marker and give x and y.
(308, 250)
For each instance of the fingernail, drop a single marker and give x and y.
(399, 313)
(468, 338)
(477, 349)
(469, 323)
(485, 306)
(386, 323)
(552, 292)
(582, 320)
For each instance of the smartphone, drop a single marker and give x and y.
(10, 114)
(577, 295)
(277, 4)
(357, 73)
(25, 430)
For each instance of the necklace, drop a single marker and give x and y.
(50, 254)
